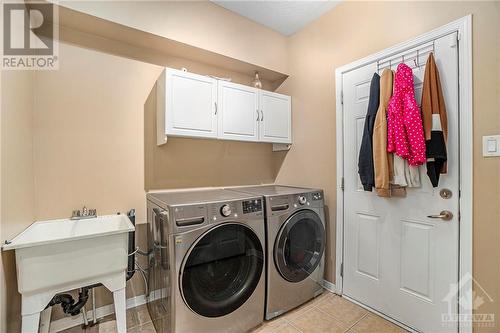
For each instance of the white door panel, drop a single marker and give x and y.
(190, 104)
(416, 265)
(276, 117)
(238, 112)
(396, 259)
(368, 245)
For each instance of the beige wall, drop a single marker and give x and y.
(88, 134)
(357, 29)
(89, 120)
(17, 174)
(83, 130)
(87, 138)
(197, 23)
(92, 145)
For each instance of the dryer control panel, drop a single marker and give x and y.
(284, 204)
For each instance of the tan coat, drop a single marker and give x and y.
(382, 160)
(433, 102)
(432, 99)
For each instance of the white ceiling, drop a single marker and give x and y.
(286, 16)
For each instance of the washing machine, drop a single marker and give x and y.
(295, 222)
(206, 267)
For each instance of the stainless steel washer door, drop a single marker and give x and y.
(299, 245)
(221, 270)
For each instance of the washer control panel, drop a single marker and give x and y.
(225, 210)
(252, 206)
(317, 196)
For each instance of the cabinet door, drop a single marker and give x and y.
(238, 112)
(191, 104)
(276, 117)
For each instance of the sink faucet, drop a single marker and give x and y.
(84, 214)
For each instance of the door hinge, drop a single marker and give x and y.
(342, 184)
(342, 270)
(342, 98)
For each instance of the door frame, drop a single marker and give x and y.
(463, 27)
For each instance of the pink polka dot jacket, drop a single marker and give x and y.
(405, 132)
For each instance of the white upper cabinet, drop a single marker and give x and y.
(276, 118)
(238, 112)
(191, 104)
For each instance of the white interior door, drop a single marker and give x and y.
(276, 117)
(396, 259)
(191, 103)
(238, 112)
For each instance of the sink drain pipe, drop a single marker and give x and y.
(68, 302)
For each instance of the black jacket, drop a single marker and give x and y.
(435, 150)
(365, 161)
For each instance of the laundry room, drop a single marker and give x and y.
(250, 166)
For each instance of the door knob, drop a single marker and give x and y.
(445, 215)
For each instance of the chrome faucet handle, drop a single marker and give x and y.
(84, 214)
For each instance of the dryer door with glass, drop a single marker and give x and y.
(299, 245)
(221, 270)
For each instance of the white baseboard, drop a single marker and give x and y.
(329, 286)
(72, 321)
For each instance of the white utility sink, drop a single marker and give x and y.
(60, 255)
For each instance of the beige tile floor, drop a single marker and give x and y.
(327, 313)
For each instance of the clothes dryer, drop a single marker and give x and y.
(295, 239)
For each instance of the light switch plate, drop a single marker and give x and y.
(491, 145)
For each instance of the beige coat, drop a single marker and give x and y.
(382, 160)
(433, 102)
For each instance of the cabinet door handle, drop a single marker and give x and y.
(258, 115)
(262, 118)
(215, 104)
